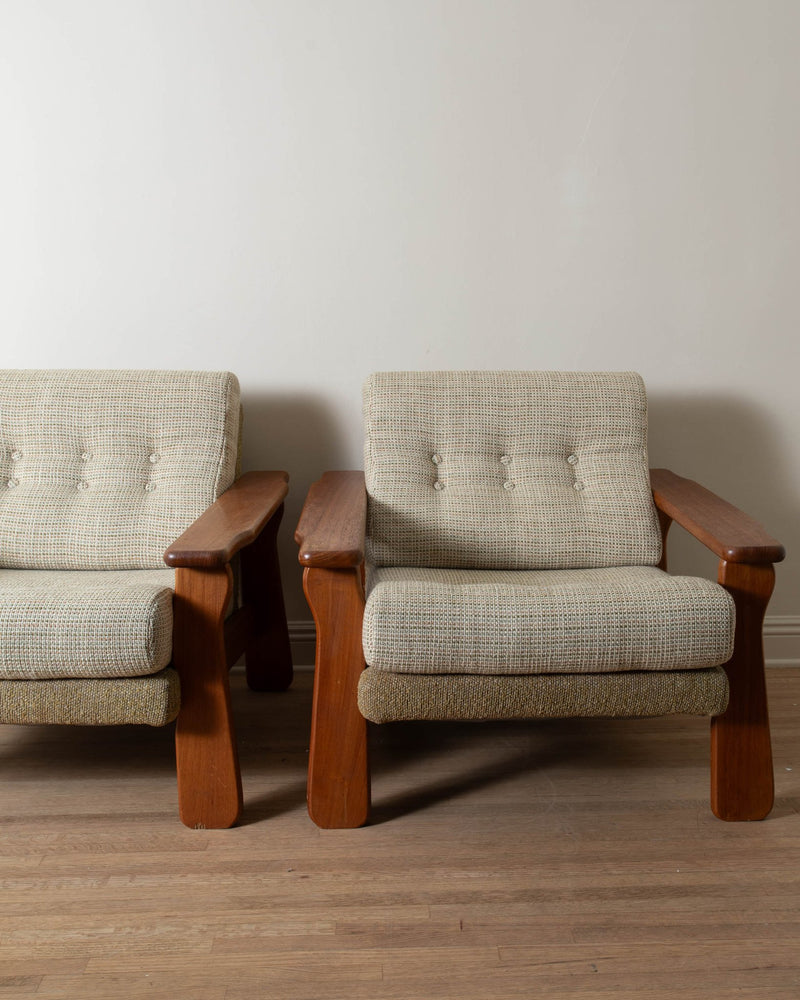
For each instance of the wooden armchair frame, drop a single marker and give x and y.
(243, 521)
(331, 536)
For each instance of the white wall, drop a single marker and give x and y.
(306, 191)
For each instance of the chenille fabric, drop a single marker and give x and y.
(144, 701)
(392, 697)
(105, 469)
(429, 621)
(508, 470)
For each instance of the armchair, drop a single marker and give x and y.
(502, 556)
(107, 476)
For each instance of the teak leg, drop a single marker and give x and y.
(209, 781)
(338, 770)
(268, 656)
(742, 783)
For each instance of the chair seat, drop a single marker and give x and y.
(84, 623)
(445, 621)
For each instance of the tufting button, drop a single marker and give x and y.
(436, 459)
(83, 485)
(572, 459)
(85, 456)
(438, 486)
(578, 484)
(12, 483)
(505, 459)
(508, 485)
(149, 487)
(154, 458)
(16, 455)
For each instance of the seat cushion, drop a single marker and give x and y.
(440, 621)
(508, 470)
(74, 623)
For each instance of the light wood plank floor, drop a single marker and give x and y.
(560, 860)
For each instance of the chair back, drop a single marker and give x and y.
(508, 470)
(104, 469)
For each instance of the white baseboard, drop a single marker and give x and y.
(781, 641)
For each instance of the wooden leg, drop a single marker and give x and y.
(268, 655)
(209, 781)
(338, 769)
(742, 785)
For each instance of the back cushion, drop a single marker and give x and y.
(104, 469)
(508, 470)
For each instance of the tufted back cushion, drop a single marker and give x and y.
(508, 470)
(104, 469)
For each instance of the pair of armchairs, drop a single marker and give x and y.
(107, 476)
(502, 556)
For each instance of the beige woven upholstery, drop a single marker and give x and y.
(85, 623)
(508, 470)
(100, 471)
(104, 469)
(511, 531)
(430, 621)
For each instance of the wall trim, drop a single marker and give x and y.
(781, 641)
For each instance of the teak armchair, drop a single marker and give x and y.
(107, 476)
(502, 557)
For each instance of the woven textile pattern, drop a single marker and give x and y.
(544, 621)
(140, 701)
(56, 624)
(387, 697)
(105, 469)
(508, 470)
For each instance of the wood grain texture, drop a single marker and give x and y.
(338, 769)
(209, 781)
(721, 527)
(233, 521)
(741, 753)
(332, 524)
(570, 860)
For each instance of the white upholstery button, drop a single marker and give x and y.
(16, 455)
(508, 485)
(436, 459)
(572, 459)
(505, 459)
(438, 486)
(154, 458)
(12, 483)
(83, 485)
(578, 485)
(149, 487)
(85, 456)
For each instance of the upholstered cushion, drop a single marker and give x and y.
(544, 621)
(95, 701)
(105, 469)
(390, 697)
(85, 623)
(508, 470)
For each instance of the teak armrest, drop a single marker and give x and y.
(234, 521)
(333, 522)
(727, 531)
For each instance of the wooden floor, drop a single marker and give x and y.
(558, 860)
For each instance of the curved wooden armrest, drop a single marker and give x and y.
(234, 521)
(333, 522)
(720, 526)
